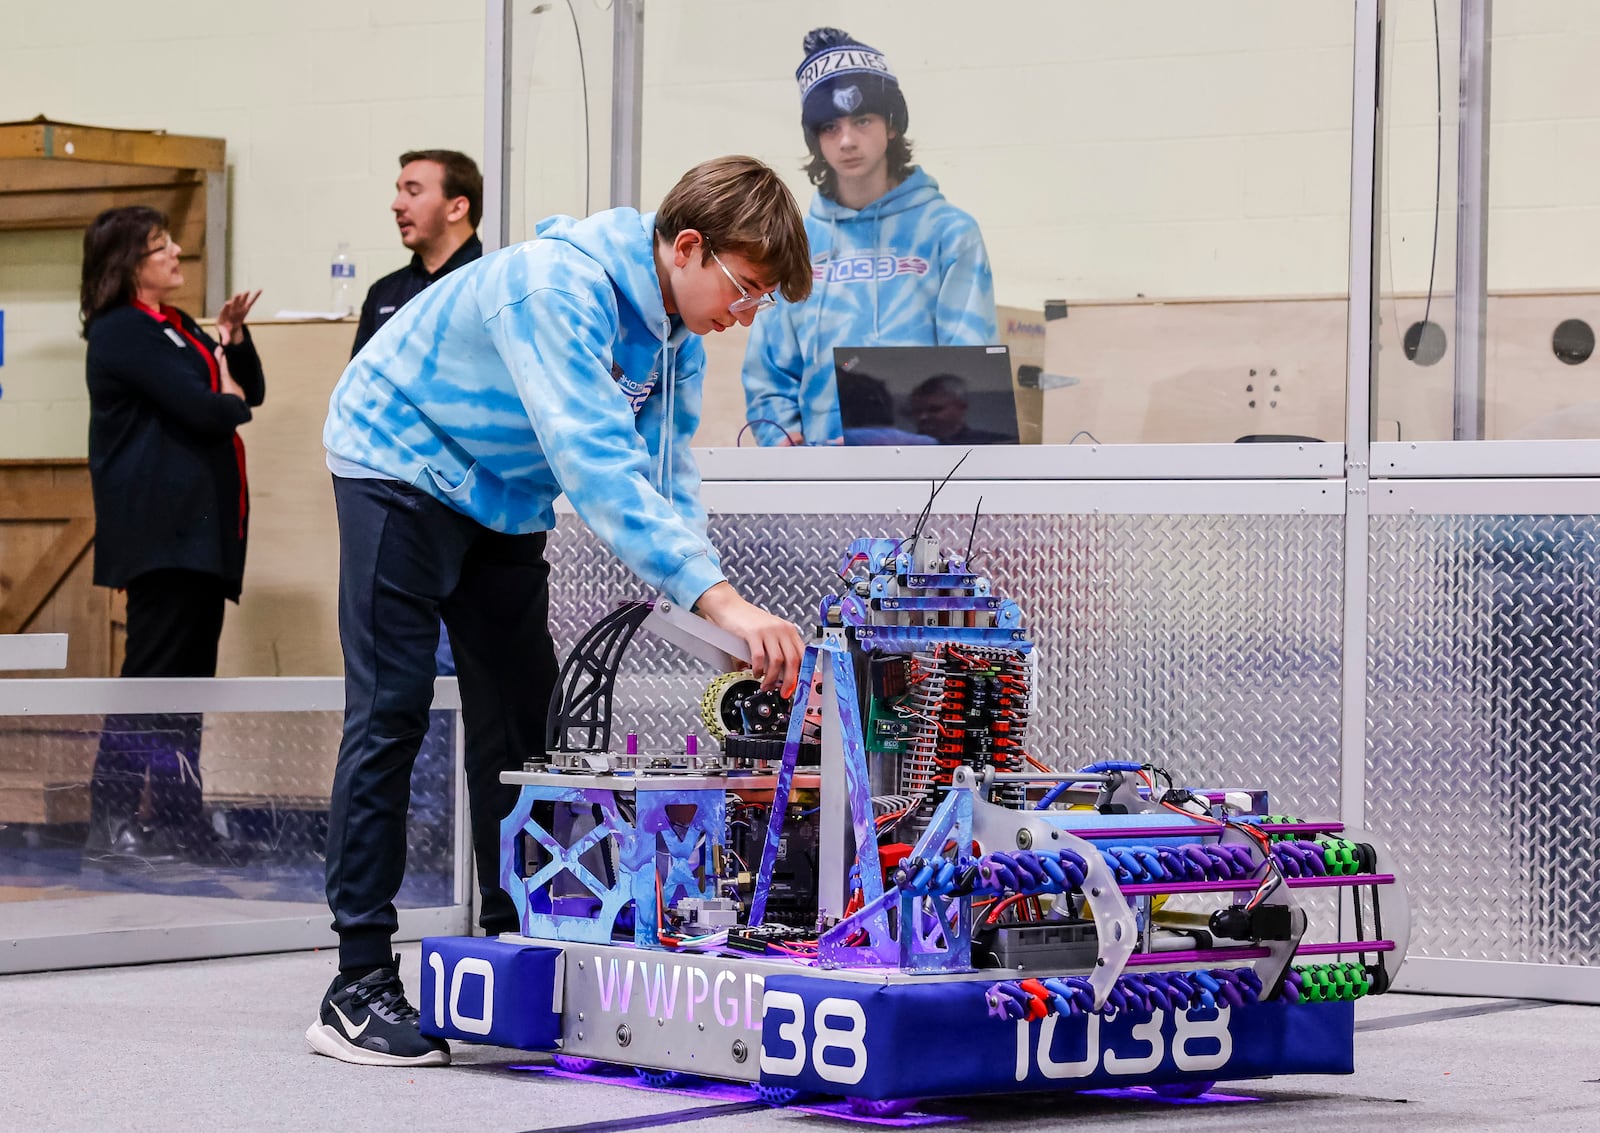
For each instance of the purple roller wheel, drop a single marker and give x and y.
(777, 1096)
(572, 1064)
(661, 1079)
(881, 1107)
(1182, 1089)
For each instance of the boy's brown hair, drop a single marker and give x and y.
(740, 205)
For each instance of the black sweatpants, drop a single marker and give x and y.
(405, 561)
(174, 622)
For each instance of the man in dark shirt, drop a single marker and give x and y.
(437, 205)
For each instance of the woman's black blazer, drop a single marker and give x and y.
(164, 458)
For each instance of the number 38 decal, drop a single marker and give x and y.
(838, 1051)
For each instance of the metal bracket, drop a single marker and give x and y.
(697, 637)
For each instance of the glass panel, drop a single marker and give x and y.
(1161, 189)
(1542, 305)
(1544, 223)
(179, 819)
(310, 106)
(558, 113)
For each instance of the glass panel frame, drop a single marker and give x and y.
(168, 906)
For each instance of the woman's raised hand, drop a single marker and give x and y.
(230, 320)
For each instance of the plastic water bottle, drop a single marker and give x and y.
(343, 279)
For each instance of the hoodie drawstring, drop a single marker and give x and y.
(877, 252)
(669, 375)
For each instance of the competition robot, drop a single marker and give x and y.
(878, 891)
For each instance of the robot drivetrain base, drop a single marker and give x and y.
(858, 1034)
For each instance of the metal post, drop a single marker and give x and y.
(466, 895)
(1472, 219)
(495, 230)
(835, 843)
(627, 100)
(1361, 362)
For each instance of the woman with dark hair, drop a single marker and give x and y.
(893, 262)
(171, 511)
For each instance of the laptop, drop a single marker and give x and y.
(925, 395)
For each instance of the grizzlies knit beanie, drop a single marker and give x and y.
(841, 77)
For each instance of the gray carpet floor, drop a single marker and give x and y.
(218, 1045)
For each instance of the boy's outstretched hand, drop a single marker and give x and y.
(775, 645)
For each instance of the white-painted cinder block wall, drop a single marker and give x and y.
(1152, 147)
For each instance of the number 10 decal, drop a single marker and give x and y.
(465, 966)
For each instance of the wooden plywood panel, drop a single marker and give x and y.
(1153, 372)
(59, 549)
(46, 582)
(46, 563)
(1413, 399)
(287, 621)
(723, 413)
(1149, 371)
(76, 208)
(1023, 332)
(61, 176)
(25, 798)
(45, 767)
(1197, 372)
(1529, 392)
(69, 142)
(257, 758)
(43, 174)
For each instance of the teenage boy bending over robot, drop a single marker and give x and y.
(571, 363)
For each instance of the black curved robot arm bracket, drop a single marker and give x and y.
(581, 705)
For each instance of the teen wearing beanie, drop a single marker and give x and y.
(893, 263)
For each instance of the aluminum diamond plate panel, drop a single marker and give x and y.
(1483, 704)
(1173, 638)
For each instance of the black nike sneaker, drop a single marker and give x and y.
(370, 1022)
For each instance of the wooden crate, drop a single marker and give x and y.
(47, 565)
(59, 175)
(46, 586)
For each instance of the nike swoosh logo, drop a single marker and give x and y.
(350, 1028)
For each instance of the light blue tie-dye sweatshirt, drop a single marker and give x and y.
(910, 269)
(550, 366)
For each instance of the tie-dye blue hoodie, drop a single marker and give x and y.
(910, 269)
(550, 366)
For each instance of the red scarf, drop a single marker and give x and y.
(169, 315)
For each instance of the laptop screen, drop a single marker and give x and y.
(925, 395)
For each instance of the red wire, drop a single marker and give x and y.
(995, 913)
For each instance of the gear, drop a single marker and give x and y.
(719, 706)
